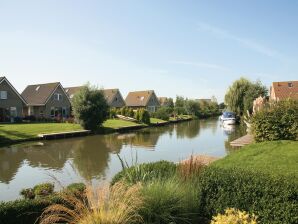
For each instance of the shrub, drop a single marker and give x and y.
(162, 113)
(144, 116)
(278, 122)
(146, 172)
(169, 201)
(44, 189)
(272, 198)
(28, 193)
(24, 211)
(76, 187)
(90, 107)
(112, 113)
(232, 215)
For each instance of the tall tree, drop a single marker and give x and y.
(90, 107)
(241, 94)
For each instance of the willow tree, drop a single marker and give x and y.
(241, 94)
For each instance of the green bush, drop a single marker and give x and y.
(24, 211)
(112, 113)
(76, 187)
(272, 198)
(146, 172)
(278, 122)
(90, 107)
(162, 113)
(169, 201)
(44, 189)
(27, 193)
(142, 116)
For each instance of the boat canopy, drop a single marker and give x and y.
(228, 115)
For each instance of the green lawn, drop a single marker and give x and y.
(156, 120)
(27, 131)
(277, 158)
(117, 123)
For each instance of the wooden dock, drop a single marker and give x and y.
(244, 140)
(64, 134)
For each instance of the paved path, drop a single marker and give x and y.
(244, 140)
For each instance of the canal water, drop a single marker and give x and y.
(95, 159)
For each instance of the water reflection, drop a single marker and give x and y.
(93, 157)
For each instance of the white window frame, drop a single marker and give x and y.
(3, 95)
(58, 96)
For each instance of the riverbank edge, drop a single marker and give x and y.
(101, 131)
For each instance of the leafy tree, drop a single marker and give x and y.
(180, 101)
(192, 107)
(90, 107)
(254, 91)
(241, 94)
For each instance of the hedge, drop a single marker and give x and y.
(24, 211)
(278, 122)
(273, 199)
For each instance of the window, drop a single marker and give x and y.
(41, 113)
(13, 112)
(116, 99)
(3, 95)
(58, 96)
(290, 84)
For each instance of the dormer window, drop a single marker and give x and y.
(3, 95)
(290, 84)
(58, 96)
(37, 88)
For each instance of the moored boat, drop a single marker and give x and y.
(228, 118)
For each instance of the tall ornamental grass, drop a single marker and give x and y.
(118, 204)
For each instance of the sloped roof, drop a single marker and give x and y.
(38, 94)
(162, 100)
(138, 98)
(110, 94)
(285, 90)
(18, 94)
(70, 91)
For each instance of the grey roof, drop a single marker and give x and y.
(1, 78)
(38, 94)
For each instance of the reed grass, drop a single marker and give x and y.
(118, 204)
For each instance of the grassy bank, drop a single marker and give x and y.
(275, 158)
(13, 133)
(18, 132)
(117, 123)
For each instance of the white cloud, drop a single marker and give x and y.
(221, 33)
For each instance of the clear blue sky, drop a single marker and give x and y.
(190, 48)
